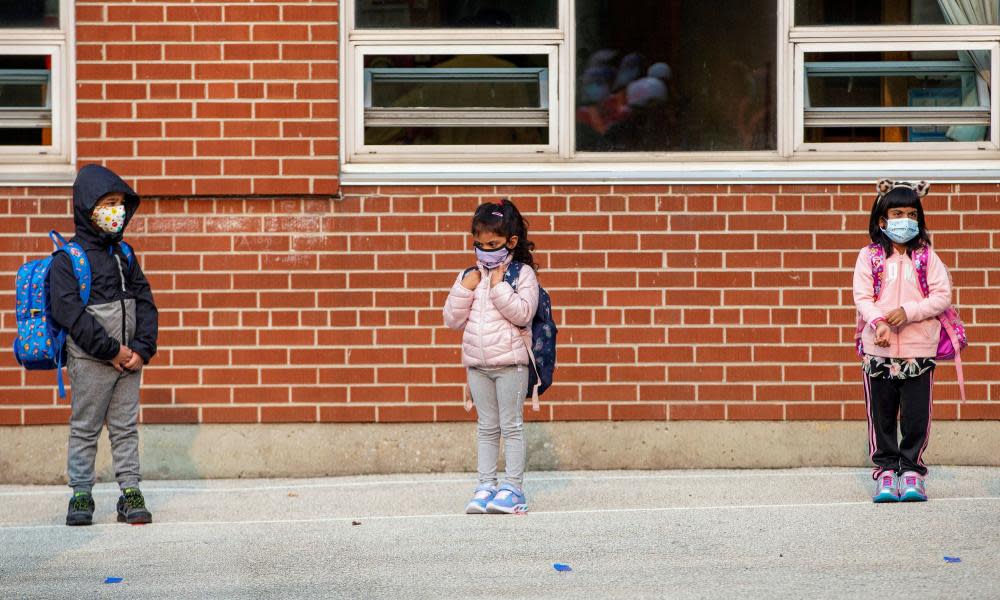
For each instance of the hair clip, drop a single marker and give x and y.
(497, 213)
(884, 186)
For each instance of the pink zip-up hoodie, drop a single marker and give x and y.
(918, 337)
(491, 319)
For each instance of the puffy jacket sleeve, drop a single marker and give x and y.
(939, 283)
(864, 293)
(519, 306)
(70, 313)
(458, 306)
(146, 315)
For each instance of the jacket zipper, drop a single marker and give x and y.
(121, 301)
(484, 297)
(899, 288)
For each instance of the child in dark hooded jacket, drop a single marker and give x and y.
(110, 339)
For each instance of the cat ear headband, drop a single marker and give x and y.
(885, 186)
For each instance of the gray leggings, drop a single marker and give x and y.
(499, 397)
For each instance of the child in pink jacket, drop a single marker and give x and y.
(900, 338)
(496, 320)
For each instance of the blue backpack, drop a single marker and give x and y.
(41, 343)
(543, 338)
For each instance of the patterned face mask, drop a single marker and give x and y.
(109, 218)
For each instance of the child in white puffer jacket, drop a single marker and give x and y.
(493, 316)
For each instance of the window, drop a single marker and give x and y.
(34, 81)
(896, 12)
(695, 90)
(651, 78)
(495, 100)
(896, 96)
(912, 75)
(453, 77)
(417, 14)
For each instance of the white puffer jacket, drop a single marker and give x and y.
(492, 318)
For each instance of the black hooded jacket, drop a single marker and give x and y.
(120, 309)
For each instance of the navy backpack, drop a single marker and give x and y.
(41, 343)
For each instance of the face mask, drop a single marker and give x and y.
(901, 230)
(109, 218)
(492, 259)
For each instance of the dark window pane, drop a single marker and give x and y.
(29, 13)
(451, 136)
(676, 75)
(25, 109)
(899, 96)
(374, 14)
(25, 137)
(896, 12)
(463, 80)
(456, 99)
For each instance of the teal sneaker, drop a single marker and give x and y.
(81, 509)
(509, 500)
(484, 493)
(132, 508)
(911, 487)
(885, 488)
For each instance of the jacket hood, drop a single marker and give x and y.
(93, 182)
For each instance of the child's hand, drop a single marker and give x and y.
(896, 317)
(882, 334)
(124, 356)
(471, 281)
(134, 362)
(496, 275)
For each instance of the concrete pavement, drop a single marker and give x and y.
(800, 533)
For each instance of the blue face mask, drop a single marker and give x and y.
(901, 230)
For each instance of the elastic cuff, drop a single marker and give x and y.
(874, 322)
(82, 488)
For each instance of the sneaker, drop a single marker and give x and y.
(885, 488)
(484, 493)
(911, 487)
(509, 500)
(132, 508)
(81, 509)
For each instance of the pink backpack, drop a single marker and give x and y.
(953, 339)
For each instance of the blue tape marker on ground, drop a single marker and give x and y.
(562, 567)
(952, 559)
(113, 580)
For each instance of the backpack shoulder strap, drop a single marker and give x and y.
(921, 257)
(127, 251)
(513, 273)
(876, 256)
(81, 268)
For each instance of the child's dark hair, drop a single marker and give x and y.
(503, 219)
(898, 197)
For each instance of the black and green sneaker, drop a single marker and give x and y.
(81, 509)
(132, 508)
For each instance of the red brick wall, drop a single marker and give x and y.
(210, 98)
(674, 302)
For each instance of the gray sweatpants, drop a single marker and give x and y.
(102, 394)
(499, 398)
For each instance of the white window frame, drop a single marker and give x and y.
(52, 164)
(791, 160)
(402, 152)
